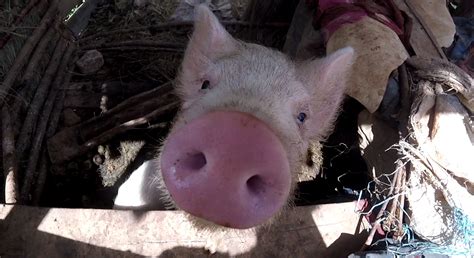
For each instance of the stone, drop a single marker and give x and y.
(90, 62)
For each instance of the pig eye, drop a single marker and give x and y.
(205, 85)
(301, 117)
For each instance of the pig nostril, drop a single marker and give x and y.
(194, 161)
(256, 185)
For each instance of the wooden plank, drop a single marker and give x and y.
(422, 39)
(329, 230)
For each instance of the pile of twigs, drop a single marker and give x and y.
(31, 107)
(36, 143)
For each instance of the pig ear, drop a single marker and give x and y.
(326, 81)
(209, 42)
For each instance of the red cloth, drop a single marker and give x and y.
(330, 15)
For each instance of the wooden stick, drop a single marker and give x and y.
(52, 125)
(15, 3)
(427, 29)
(51, 129)
(23, 56)
(27, 84)
(376, 225)
(62, 147)
(40, 51)
(141, 48)
(133, 112)
(19, 18)
(42, 175)
(393, 206)
(156, 28)
(59, 103)
(74, 141)
(10, 168)
(403, 129)
(179, 25)
(137, 104)
(402, 200)
(405, 101)
(24, 140)
(24, 12)
(110, 134)
(40, 131)
(135, 43)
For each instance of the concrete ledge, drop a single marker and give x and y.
(330, 230)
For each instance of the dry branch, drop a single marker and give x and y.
(25, 52)
(40, 51)
(89, 96)
(110, 134)
(394, 220)
(405, 101)
(27, 83)
(58, 105)
(24, 140)
(403, 128)
(74, 141)
(19, 18)
(179, 25)
(141, 48)
(135, 43)
(10, 168)
(129, 109)
(398, 183)
(133, 112)
(42, 175)
(156, 28)
(393, 205)
(40, 131)
(51, 129)
(15, 3)
(379, 217)
(402, 200)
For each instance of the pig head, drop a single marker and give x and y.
(243, 131)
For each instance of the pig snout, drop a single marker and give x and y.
(228, 168)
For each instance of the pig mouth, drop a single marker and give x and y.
(228, 168)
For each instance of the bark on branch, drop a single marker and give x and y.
(25, 11)
(37, 142)
(28, 84)
(135, 43)
(25, 52)
(24, 140)
(10, 168)
(147, 107)
(179, 25)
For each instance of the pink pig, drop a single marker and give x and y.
(241, 137)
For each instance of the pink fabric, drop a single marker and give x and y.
(337, 22)
(332, 14)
